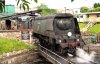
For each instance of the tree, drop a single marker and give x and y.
(24, 4)
(84, 9)
(97, 9)
(46, 10)
(96, 5)
(2, 3)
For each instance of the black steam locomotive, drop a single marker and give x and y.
(59, 32)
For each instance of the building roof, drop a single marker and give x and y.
(2, 15)
(90, 13)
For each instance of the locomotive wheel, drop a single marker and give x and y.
(42, 42)
(60, 50)
(52, 44)
(72, 51)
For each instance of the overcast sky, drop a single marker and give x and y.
(60, 4)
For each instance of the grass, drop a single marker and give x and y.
(94, 30)
(81, 25)
(8, 45)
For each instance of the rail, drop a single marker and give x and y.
(53, 57)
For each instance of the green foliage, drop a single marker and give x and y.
(24, 4)
(36, 1)
(2, 4)
(84, 9)
(96, 5)
(91, 9)
(72, 0)
(7, 45)
(97, 9)
(46, 10)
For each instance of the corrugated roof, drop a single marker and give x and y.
(2, 15)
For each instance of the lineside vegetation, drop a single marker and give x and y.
(8, 45)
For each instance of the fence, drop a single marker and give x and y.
(98, 38)
(88, 38)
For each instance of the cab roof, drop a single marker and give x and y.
(54, 16)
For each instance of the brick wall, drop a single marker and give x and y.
(11, 34)
(14, 34)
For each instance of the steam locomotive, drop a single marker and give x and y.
(59, 32)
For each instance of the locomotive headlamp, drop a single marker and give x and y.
(59, 41)
(69, 33)
(77, 39)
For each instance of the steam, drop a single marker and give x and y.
(84, 57)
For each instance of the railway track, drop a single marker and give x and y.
(54, 58)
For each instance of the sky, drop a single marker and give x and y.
(60, 4)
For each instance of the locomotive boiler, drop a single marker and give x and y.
(59, 33)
